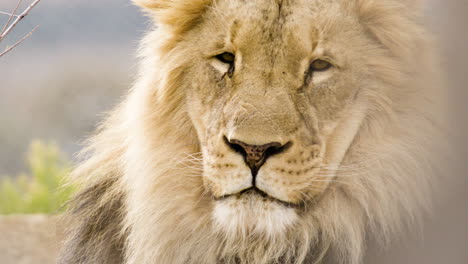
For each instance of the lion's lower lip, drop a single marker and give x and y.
(255, 191)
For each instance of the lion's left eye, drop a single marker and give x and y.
(226, 57)
(320, 65)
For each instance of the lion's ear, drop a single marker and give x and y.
(392, 22)
(153, 4)
(416, 5)
(180, 15)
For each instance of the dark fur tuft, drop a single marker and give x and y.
(96, 233)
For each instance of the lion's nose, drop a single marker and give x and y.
(254, 155)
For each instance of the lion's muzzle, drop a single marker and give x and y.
(256, 155)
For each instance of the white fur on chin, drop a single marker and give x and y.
(253, 214)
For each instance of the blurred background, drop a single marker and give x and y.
(57, 84)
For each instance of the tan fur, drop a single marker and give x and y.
(363, 136)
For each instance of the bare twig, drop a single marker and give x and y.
(18, 42)
(8, 14)
(9, 19)
(13, 20)
(18, 19)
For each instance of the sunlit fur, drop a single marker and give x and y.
(143, 198)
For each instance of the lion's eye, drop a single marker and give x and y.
(226, 57)
(320, 65)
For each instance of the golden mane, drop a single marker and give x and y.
(142, 198)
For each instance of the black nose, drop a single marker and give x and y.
(255, 155)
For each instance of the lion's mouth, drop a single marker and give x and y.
(254, 191)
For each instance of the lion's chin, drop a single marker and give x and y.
(253, 214)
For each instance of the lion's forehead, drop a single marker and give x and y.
(267, 17)
(271, 31)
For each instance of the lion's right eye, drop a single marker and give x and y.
(226, 57)
(320, 65)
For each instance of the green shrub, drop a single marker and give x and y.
(42, 189)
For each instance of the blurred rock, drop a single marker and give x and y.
(30, 239)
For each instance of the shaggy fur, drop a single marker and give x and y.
(146, 196)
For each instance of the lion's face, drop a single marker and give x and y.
(275, 104)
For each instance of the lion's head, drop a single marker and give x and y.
(271, 131)
(276, 92)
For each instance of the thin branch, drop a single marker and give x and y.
(18, 19)
(18, 42)
(9, 19)
(10, 25)
(8, 14)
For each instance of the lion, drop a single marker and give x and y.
(267, 131)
